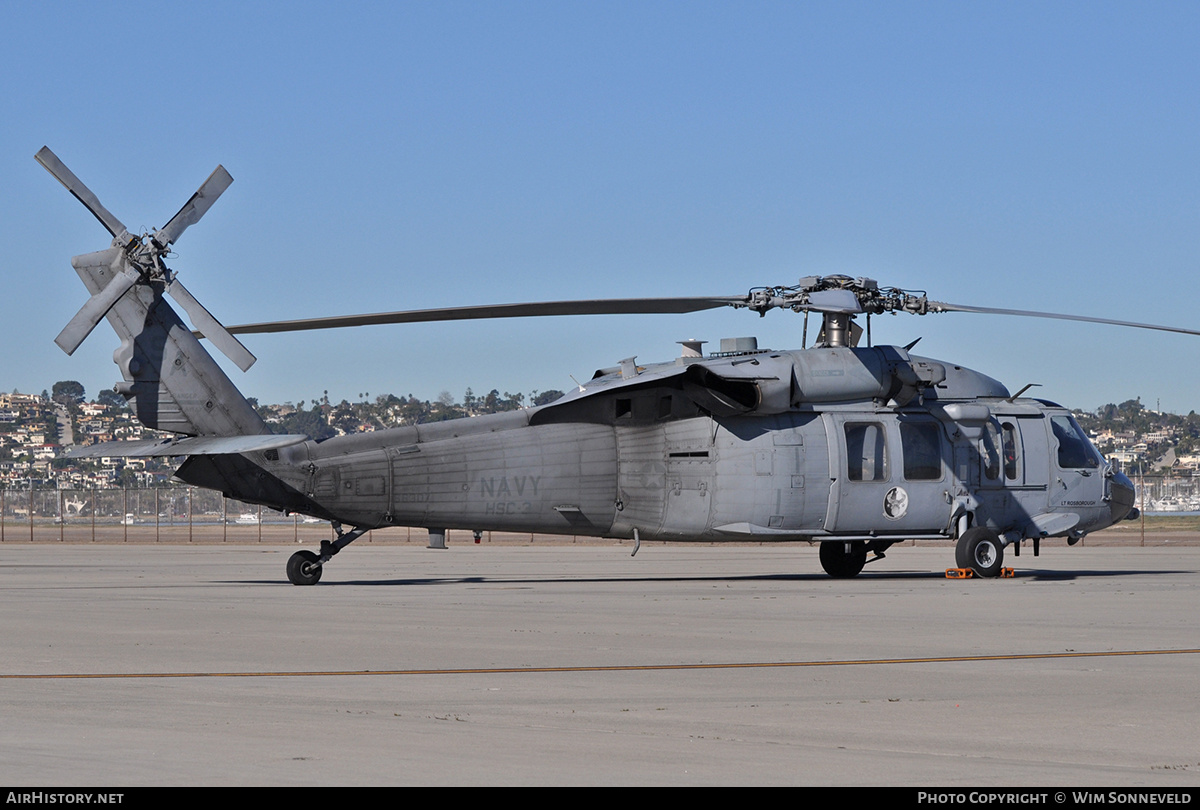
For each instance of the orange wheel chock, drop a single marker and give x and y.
(967, 573)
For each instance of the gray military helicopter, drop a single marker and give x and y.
(854, 447)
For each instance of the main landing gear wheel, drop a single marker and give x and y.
(304, 568)
(979, 549)
(843, 560)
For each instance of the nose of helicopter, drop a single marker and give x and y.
(1120, 503)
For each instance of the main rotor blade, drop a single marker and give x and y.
(210, 327)
(73, 184)
(91, 313)
(939, 306)
(611, 306)
(196, 207)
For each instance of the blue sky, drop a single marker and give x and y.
(413, 155)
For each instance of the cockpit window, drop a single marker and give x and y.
(1012, 452)
(1074, 450)
(991, 452)
(999, 448)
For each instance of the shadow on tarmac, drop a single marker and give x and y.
(866, 576)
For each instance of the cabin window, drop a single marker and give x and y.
(1074, 450)
(1012, 451)
(624, 409)
(866, 452)
(922, 448)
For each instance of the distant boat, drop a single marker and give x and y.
(248, 519)
(1172, 504)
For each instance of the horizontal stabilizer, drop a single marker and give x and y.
(186, 446)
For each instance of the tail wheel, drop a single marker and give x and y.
(980, 550)
(841, 559)
(304, 568)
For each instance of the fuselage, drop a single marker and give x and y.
(657, 456)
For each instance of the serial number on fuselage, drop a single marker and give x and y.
(507, 508)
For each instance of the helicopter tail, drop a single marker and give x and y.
(170, 381)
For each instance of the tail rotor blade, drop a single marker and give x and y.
(204, 322)
(81, 192)
(132, 261)
(79, 327)
(196, 207)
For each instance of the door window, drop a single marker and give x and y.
(921, 445)
(866, 452)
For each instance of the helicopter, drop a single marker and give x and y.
(854, 447)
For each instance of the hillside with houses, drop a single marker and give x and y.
(35, 429)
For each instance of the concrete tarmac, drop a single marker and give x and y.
(151, 665)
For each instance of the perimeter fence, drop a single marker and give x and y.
(183, 514)
(152, 515)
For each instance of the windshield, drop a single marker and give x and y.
(1074, 449)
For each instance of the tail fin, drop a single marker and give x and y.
(171, 382)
